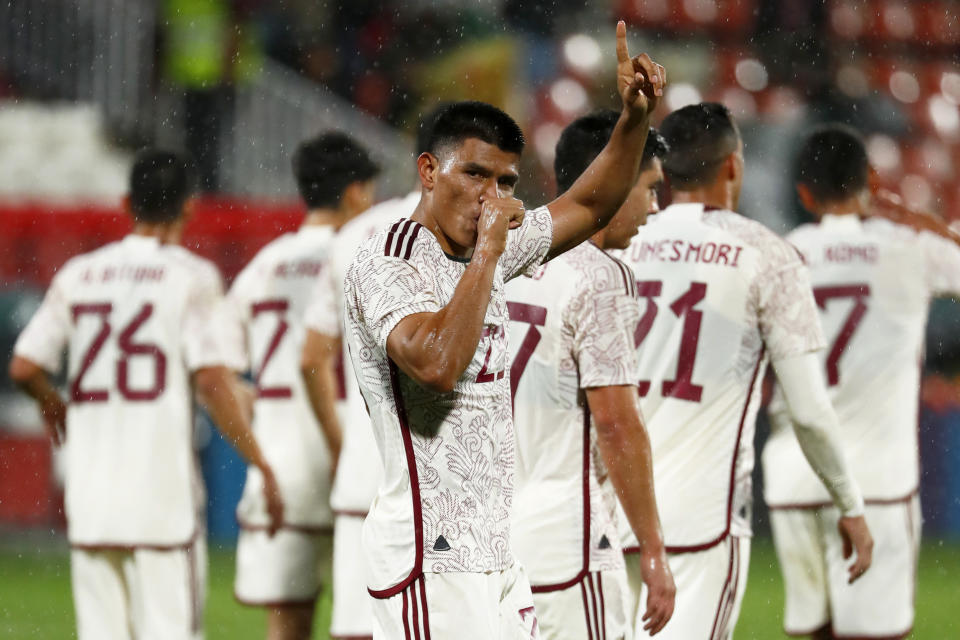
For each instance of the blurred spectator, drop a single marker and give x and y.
(208, 46)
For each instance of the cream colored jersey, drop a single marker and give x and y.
(444, 502)
(268, 300)
(571, 329)
(136, 318)
(719, 296)
(358, 469)
(873, 281)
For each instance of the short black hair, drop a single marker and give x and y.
(425, 126)
(326, 165)
(458, 121)
(833, 163)
(585, 138)
(160, 184)
(700, 137)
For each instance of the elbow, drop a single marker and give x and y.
(437, 380)
(21, 370)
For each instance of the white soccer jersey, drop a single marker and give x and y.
(719, 296)
(268, 300)
(448, 458)
(571, 329)
(358, 469)
(873, 281)
(137, 317)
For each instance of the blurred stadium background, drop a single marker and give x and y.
(238, 83)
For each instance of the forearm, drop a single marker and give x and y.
(815, 424)
(319, 377)
(599, 192)
(625, 449)
(215, 388)
(33, 380)
(441, 345)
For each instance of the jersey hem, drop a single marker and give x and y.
(299, 528)
(875, 502)
(135, 546)
(283, 602)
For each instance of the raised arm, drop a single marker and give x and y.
(625, 447)
(889, 205)
(435, 348)
(599, 192)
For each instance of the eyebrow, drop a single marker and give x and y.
(509, 179)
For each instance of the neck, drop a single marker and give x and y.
(848, 207)
(714, 195)
(422, 215)
(333, 217)
(599, 239)
(166, 233)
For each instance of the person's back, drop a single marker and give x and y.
(269, 302)
(873, 281)
(718, 292)
(722, 297)
(271, 295)
(127, 315)
(139, 321)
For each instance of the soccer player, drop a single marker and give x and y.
(873, 281)
(138, 318)
(721, 296)
(425, 319)
(358, 468)
(268, 299)
(581, 443)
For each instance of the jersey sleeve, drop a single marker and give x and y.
(943, 264)
(385, 290)
(323, 314)
(787, 312)
(209, 326)
(45, 337)
(602, 324)
(528, 245)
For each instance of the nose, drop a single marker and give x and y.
(654, 205)
(490, 190)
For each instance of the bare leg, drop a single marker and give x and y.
(291, 622)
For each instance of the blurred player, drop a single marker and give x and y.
(269, 297)
(425, 318)
(358, 469)
(580, 439)
(873, 281)
(722, 295)
(139, 319)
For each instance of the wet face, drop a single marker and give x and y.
(641, 202)
(458, 181)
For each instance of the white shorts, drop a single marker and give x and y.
(710, 588)
(459, 606)
(140, 593)
(352, 616)
(595, 608)
(285, 570)
(810, 551)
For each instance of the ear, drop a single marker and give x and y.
(807, 200)
(428, 165)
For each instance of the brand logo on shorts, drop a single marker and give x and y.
(604, 543)
(528, 613)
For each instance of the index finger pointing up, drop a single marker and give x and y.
(623, 55)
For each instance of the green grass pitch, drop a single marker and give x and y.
(35, 599)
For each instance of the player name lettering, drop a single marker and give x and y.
(299, 269)
(668, 250)
(851, 253)
(134, 273)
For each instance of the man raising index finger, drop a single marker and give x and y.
(425, 318)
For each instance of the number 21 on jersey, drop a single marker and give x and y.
(684, 309)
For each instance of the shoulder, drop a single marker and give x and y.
(773, 249)
(597, 272)
(204, 271)
(396, 246)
